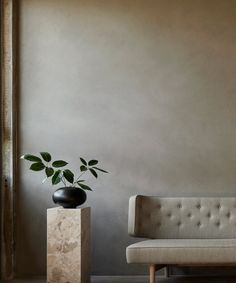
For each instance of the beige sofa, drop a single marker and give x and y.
(182, 231)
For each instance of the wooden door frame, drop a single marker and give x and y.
(8, 142)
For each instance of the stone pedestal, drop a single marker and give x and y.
(68, 245)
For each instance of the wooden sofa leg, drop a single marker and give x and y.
(152, 270)
(167, 272)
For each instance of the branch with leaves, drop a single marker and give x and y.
(53, 169)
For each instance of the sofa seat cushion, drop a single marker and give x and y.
(183, 251)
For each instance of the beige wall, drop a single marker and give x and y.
(147, 87)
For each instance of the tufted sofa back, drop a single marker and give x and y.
(177, 218)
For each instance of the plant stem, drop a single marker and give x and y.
(79, 177)
(63, 180)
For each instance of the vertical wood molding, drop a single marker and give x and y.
(8, 134)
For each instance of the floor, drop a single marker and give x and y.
(139, 279)
(145, 279)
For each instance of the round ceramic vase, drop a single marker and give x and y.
(69, 197)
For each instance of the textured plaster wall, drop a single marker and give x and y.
(146, 87)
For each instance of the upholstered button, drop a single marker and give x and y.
(208, 214)
(169, 215)
(158, 224)
(228, 214)
(189, 214)
(199, 224)
(179, 205)
(218, 223)
(179, 223)
(218, 206)
(198, 206)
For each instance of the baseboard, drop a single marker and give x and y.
(121, 278)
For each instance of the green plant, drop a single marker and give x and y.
(53, 169)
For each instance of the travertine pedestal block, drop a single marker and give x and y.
(68, 245)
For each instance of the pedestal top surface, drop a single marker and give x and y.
(69, 209)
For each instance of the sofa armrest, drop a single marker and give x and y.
(133, 216)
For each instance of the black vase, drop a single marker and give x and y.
(69, 197)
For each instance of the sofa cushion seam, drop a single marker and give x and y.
(179, 247)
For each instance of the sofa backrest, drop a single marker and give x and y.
(177, 218)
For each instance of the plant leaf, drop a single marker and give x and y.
(37, 166)
(46, 156)
(92, 162)
(93, 172)
(84, 187)
(99, 169)
(56, 177)
(68, 175)
(83, 161)
(30, 157)
(80, 181)
(83, 168)
(59, 163)
(49, 171)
